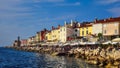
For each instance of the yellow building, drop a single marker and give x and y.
(85, 29)
(48, 36)
(37, 37)
(55, 34)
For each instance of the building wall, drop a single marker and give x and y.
(24, 42)
(49, 36)
(77, 32)
(66, 32)
(84, 31)
(37, 37)
(97, 28)
(63, 34)
(55, 35)
(111, 28)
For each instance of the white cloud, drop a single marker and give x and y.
(115, 11)
(106, 2)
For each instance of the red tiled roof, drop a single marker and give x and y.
(107, 20)
(85, 24)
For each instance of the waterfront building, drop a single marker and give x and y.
(67, 32)
(37, 37)
(48, 36)
(17, 42)
(85, 29)
(111, 28)
(24, 42)
(97, 27)
(31, 41)
(40, 36)
(55, 32)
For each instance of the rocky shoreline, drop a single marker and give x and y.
(104, 56)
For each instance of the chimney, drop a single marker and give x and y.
(78, 24)
(104, 19)
(45, 29)
(110, 18)
(52, 27)
(71, 23)
(65, 23)
(96, 20)
(58, 26)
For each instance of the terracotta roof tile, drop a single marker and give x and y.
(107, 20)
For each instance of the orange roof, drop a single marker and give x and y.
(107, 20)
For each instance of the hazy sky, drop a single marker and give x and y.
(26, 17)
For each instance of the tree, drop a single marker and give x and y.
(100, 36)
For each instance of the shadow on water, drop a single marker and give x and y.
(10, 58)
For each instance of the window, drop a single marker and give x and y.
(75, 35)
(64, 29)
(105, 31)
(115, 31)
(75, 30)
(87, 32)
(82, 32)
(60, 29)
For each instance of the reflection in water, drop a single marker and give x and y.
(10, 58)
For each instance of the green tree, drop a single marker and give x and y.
(100, 36)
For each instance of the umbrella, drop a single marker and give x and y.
(116, 40)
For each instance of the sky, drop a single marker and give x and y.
(25, 17)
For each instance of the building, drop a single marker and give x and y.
(37, 37)
(48, 36)
(67, 32)
(97, 27)
(55, 32)
(85, 29)
(24, 42)
(17, 43)
(111, 28)
(31, 41)
(40, 36)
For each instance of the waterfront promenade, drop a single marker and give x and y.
(102, 55)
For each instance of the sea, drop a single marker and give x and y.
(11, 58)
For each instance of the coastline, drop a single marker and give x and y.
(103, 56)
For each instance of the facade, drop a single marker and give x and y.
(24, 42)
(76, 32)
(86, 29)
(31, 40)
(48, 36)
(69, 31)
(111, 28)
(55, 34)
(40, 36)
(97, 27)
(17, 42)
(37, 37)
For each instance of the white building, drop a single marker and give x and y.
(68, 31)
(97, 28)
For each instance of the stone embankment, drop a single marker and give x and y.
(102, 56)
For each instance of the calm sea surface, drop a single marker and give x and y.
(10, 58)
